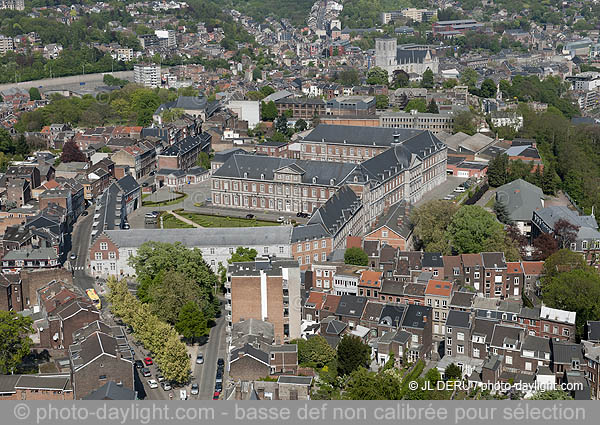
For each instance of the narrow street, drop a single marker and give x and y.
(80, 238)
(214, 349)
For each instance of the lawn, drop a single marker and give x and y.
(170, 222)
(218, 221)
(490, 203)
(177, 200)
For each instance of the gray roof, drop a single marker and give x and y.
(521, 199)
(309, 232)
(396, 219)
(111, 391)
(295, 380)
(593, 331)
(565, 352)
(249, 350)
(31, 254)
(128, 184)
(462, 299)
(537, 344)
(493, 260)
(460, 319)
(335, 327)
(338, 209)
(351, 305)
(362, 136)
(432, 259)
(392, 315)
(509, 334)
(413, 318)
(254, 327)
(587, 223)
(56, 383)
(7, 383)
(237, 166)
(204, 237)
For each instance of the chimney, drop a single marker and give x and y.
(424, 319)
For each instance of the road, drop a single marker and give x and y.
(80, 238)
(214, 349)
(63, 81)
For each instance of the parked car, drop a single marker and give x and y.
(249, 216)
(73, 256)
(199, 358)
(83, 214)
(148, 361)
(459, 189)
(219, 378)
(280, 220)
(152, 384)
(160, 378)
(183, 395)
(195, 389)
(145, 184)
(146, 372)
(166, 385)
(220, 362)
(139, 364)
(219, 386)
(216, 395)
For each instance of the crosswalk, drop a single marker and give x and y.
(76, 268)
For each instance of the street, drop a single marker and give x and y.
(80, 241)
(214, 349)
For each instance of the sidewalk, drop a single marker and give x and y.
(185, 220)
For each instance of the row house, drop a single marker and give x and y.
(392, 228)
(320, 305)
(36, 387)
(184, 154)
(273, 148)
(438, 294)
(30, 259)
(140, 158)
(369, 284)
(321, 276)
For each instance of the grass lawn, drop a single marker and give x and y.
(490, 203)
(170, 222)
(177, 200)
(218, 221)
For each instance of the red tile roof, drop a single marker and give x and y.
(439, 287)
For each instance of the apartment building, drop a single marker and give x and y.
(184, 154)
(436, 123)
(147, 75)
(301, 108)
(438, 294)
(6, 44)
(140, 158)
(267, 290)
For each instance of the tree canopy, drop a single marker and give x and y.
(242, 254)
(314, 352)
(15, 330)
(377, 76)
(356, 256)
(352, 353)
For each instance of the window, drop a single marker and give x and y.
(323, 256)
(448, 329)
(546, 328)
(476, 275)
(316, 244)
(316, 257)
(307, 259)
(573, 246)
(231, 250)
(307, 246)
(460, 349)
(435, 273)
(212, 251)
(508, 359)
(584, 244)
(103, 246)
(527, 365)
(565, 332)
(112, 255)
(98, 256)
(266, 250)
(281, 250)
(460, 336)
(555, 330)
(323, 243)
(476, 352)
(384, 233)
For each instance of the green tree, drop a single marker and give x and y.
(488, 88)
(281, 124)
(418, 104)
(267, 90)
(473, 229)
(15, 330)
(171, 292)
(314, 352)
(191, 323)
(551, 395)
(498, 171)
(300, 125)
(427, 80)
(501, 212)
(433, 376)
(382, 101)
(377, 76)
(469, 77)
(356, 256)
(242, 254)
(463, 122)
(203, 160)
(34, 94)
(254, 95)
(363, 385)
(431, 221)
(561, 261)
(452, 372)
(449, 83)
(352, 353)
(268, 111)
(400, 79)
(21, 147)
(432, 107)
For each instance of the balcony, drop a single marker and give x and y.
(228, 307)
(228, 317)
(227, 295)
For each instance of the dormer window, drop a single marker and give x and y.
(245, 175)
(262, 176)
(314, 179)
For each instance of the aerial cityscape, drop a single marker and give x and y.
(299, 200)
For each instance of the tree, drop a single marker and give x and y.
(417, 104)
(561, 261)
(377, 76)
(267, 90)
(433, 376)
(551, 395)
(452, 372)
(254, 95)
(488, 88)
(21, 147)
(450, 83)
(469, 77)
(170, 293)
(501, 212)
(362, 385)
(427, 80)
(15, 330)
(463, 122)
(382, 101)
(300, 125)
(544, 246)
(314, 352)
(268, 111)
(191, 323)
(356, 256)
(575, 290)
(400, 79)
(281, 124)
(72, 153)
(473, 229)
(565, 233)
(550, 179)
(498, 171)
(203, 160)
(352, 353)
(34, 94)
(432, 107)
(242, 254)
(430, 222)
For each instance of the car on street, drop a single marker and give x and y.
(249, 216)
(83, 214)
(152, 384)
(195, 389)
(280, 220)
(199, 358)
(73, 256)
(460, 189)
(302, 215)
(139, 364)
(219, 386)
(152, 173)
(182, 395)
(216, 395)
(166, 386)
(160, 378)
(148, 361)
(219, 377)
(145, 184)
(146, 372)
(220, 362)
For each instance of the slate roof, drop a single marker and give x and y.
(432, 259)
(372, 311)
(459, 319)
(537, 344)
(249, 350)
(392, 314)
(111, 391)
(335, 327)
(361, 136)
(413, 318)
(338, 210)
(521, 199)
(493, 260)
(396, 219)
(351, 306)
(588, 225)
(593, 331)
(565, 352)
(127, 184)
(462, 299)
(484, 327)
(295, 380)
(183, 146)
(204, 237)
(508, 334)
